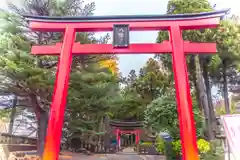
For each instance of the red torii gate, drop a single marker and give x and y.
(127, 127)
(173, 23)
(136, 132)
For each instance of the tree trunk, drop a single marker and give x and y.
(225, 87)
(196, 85)
(107, 139)
(198, 95)
(209, 96)
(42, 117)
(204, 101)
(12, 117)
(151, 89)
(42, 131)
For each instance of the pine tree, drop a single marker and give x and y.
(33, 77)
(90, 99)
(20, 75)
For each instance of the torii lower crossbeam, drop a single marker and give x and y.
(176, 46)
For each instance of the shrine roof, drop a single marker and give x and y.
(126, 124)
(118, 18)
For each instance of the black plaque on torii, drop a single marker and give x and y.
(121, 36)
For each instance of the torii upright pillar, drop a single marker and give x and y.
(175, 24)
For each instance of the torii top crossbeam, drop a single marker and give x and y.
(126, 18)
(175, 24)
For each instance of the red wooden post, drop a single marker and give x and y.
(55, 123)
(137, 137)
(183, 96)
(135, 134)
(118, 137)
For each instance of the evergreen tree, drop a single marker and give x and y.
(200, 67)
(90, 96)
(140, 89)
(33, 77)
(21, 77)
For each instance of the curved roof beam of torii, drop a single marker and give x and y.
(126, 123)
(132, 18)
(136, 23)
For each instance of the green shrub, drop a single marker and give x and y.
(177, 147)
(160, 146)
(162, 116)
(216, 151)
(203, 146)
(207, 150)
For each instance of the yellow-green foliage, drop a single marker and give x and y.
(215, 153)
(177, 147)
(146, 143)
(203, 146)
(4, 114)
(160, 145)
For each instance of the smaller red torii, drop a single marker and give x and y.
(136, 132)
(178, 48)
(127, 127)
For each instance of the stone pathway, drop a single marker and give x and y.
(126, 154)
(128, 150)
(115, 157)
(134, 157)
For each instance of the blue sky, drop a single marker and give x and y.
(136, 7)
